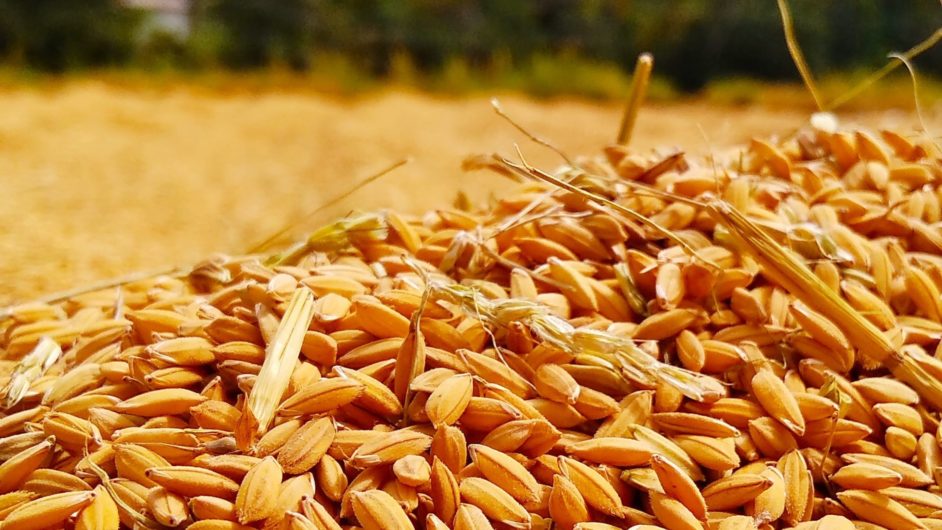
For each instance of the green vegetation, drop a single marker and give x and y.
(729, 50)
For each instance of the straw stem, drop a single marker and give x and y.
(639, 88)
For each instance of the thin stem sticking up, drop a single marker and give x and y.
(545, 177)
(542, 141)
(269, 241)
(909, 55)
(639, 88)
(55, 298)
(795, 50)
(912, 74)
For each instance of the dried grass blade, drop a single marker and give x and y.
(546, 177)
(280, 358)
(29, 369)
(787, 270)
(795, 51)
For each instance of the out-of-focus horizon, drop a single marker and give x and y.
(142, 134)
(723, 50)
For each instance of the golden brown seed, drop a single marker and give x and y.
(433, 522)
(470, 517)
(132, 462)
(484, 414)
(207, 507)
(567, 507)
(304, 449)
(412, 470)
(620, 452)
(814, 407)
(183, 351)
(506, 472)
(886, 390)
(49, 481)
(193, 481)
(555, 383)
(291, 493)
(737, 522)
(778, 401)
(666, 324)
(771, 502)
(669, 286)
(71, 431)
(234, 466)
(376, 397)
(748, 306)
(920, 503)
(13, 500)
(771, 437)
(13, 472)
(330, 478)
(577, 287)
(672, 513)
(324, 395)
(495, 371)
(718, 454)
(317, 347)
(596, 526)
(168, 401)
(131, 498)
(444, 491)
(686, 423)
(258, 494)
(690, 351)
(371, 351)
(217, 524)
(377, 510)
(924, 293)
(798, 485)
(596, 405)
(900, 443)
(879, 509)
(596, 490)
(100, 514)
(276, 437)
(899, 415)
(11, 445)
(668, 449)
(835, 522)
(820, 328)
(316, 513)
(450, 400)
(387, 449)
(167, 508)
(912, 476)
(736, 411)
(496, 503)
(47, 512)
(213, 414)
(677, 484)
(734, 491)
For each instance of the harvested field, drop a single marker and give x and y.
(101, 181)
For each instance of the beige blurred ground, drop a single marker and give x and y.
(98, 181)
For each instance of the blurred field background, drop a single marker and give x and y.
(142, 134)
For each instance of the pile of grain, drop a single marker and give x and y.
(653, 341)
